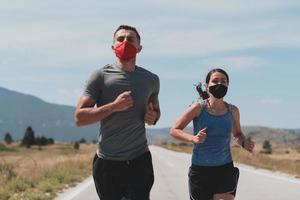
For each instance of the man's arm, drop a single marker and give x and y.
(86, 113)
(152, 113)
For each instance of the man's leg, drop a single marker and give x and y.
(141, 177)
(106, 179)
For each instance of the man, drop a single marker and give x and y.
(126, 96)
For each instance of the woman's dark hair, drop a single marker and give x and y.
(216, 70)
(127, 27)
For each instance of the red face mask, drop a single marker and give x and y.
(125, 51)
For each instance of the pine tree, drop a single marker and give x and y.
(267, 147)
(50, 141)
(82, 140)
(76, 145)
(8, 138)
(28, 138)
(41, 141)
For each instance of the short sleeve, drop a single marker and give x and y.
(93, 87)
(156, 86)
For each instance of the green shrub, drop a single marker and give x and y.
(6, 172)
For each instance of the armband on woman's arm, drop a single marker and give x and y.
(243, 144)
(241, 139)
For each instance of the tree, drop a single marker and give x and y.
(82, 140)
(41, 141)
(76, 145)
(7, 138)
(267, 147)
(50, 141)
(28, 138)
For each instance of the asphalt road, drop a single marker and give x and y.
(171, 169)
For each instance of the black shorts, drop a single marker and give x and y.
(132, 179)
(205, 181)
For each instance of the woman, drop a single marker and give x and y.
(212, 174)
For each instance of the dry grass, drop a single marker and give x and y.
(39, 174)
(34, 174)
(283, 159)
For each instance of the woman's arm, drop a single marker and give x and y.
(247, 144)
(177, 129)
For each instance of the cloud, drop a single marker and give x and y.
(197, 70)
(235, 63)
(271, 102)
(53, 41)
(82, 34)
(224, 37)
(225, 7)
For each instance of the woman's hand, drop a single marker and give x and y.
(200, 137)
(248, 144)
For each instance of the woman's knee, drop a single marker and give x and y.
(224, 196)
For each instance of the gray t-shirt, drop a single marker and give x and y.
(122, 134)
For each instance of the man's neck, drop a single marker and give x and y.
(128, 66)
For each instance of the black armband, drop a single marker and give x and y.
(243, 144)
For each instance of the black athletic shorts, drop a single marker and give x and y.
(206, 181)
(132, 179)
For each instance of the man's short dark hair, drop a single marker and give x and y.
(127, 27)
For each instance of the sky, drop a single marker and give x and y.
(50, 48)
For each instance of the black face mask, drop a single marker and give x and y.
(218, 90)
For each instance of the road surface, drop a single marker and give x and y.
(171, 169)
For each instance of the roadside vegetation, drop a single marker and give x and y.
(278, 157)
(37, 168)
(39, 172)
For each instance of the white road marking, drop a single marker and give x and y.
(170, 164)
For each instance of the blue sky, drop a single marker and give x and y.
(50, 48)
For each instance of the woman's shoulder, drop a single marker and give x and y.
(196, 108)
(233, 108)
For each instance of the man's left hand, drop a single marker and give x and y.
(151, 115)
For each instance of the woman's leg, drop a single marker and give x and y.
(224, 196)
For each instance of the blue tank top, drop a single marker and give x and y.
(215, 150)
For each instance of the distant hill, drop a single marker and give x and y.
(156, 136)
(17, 111)
(257, 133)
(260, 134)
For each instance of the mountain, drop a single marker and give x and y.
(18, 111)
(258, 133)
(156, 136)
